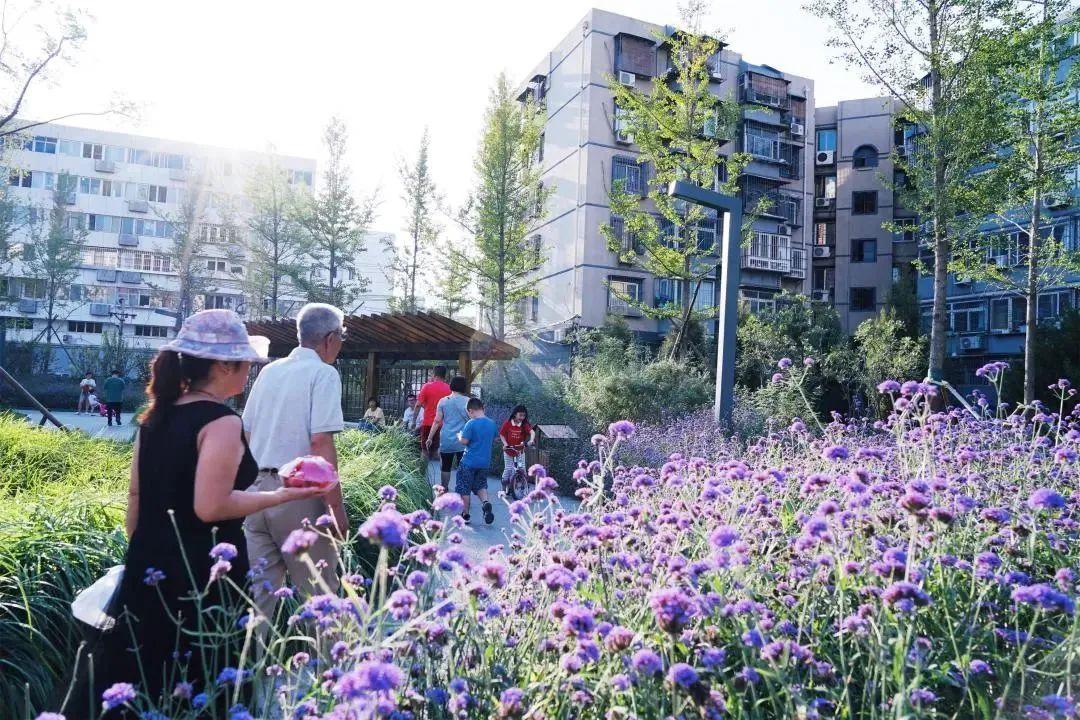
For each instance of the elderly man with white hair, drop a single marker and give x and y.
(294, 409)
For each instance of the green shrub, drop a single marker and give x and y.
(641, 391)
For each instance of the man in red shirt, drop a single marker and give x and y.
(515, 434)
(429, 396)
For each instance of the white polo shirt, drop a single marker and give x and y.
(291, 400)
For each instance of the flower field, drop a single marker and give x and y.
(925, 566)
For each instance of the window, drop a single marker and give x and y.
(44, 144)
(93, 151)
(621, 292)
(20, 178)
(761, 141)
(824, 233)
(825, 186)
(905, 230)
(45, 180)
(1053, 305)
(217, 234)
(82, 326)
(629, 173)
(158, 193)
(864, 250)
(826, 139)
(967, 317)
(218, 302)
(151, 331)
(69, 147)
(864, 202)
(634, 54)
(865, 156)
(99, 257)
(215, 265)
(175, 162)
(823, 279)
(999, 314)
(17, 323)
(759, 302)
(133, 297)
(863, 299)
(300, 177)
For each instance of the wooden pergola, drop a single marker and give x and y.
(421, 336)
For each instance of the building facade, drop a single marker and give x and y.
(584, 150)
(856, 257)
(123, 194)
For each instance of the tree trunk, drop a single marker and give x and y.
(939, 325)
(1031, 290)
(410, 301)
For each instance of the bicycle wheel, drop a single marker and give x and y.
(519, 485)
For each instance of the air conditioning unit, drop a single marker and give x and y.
(128, 240)
(820, 295)
(104, 166)
(178, 174)
(972, 342)
(901, 151)
(68, 198)
(66, 338)
(1054, 201)
(798, 129)
(99, 309)
(823, 202)
(621, 136)
(28, 306)
(821, 251)
(138, 206)
(825, 157)
(783, 229)
(628, 79)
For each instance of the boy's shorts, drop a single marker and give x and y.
(470, 480)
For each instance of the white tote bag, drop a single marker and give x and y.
(92, 604)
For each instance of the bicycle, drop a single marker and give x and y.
(518, 487)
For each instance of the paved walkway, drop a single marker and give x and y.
(93, 425)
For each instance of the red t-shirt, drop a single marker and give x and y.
(515, 436)
(430, 394)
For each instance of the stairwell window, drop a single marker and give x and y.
(628, 173)
(865, 156)
(864, 202)
(863, 299)
(864, 250)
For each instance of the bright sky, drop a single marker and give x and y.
(245, 73)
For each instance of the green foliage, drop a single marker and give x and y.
(678, 127)
(616, 380)
(797, 328)
(885, 351)
(62, 499)
(335, 222)
(1057, 346)
(186, 247)
(277, 243)
(422, 200)
(507, 197)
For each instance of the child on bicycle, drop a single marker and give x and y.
(516, 433)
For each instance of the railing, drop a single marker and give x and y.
(761, 147)
(798, 262)
(768, 251)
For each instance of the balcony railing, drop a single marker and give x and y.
(760, 147)
(768, 251)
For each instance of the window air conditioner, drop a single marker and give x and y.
(821, 251)
(823, 202)
(783, 229)
(627, 78)
(972, 342)
(1053, 201)
(825, 157)
(798, 129)
(820, 295)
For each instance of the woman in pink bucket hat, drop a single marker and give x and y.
(186, 505)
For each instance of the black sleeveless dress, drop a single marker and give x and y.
(162, 621)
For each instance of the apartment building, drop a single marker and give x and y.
(855, 259)
(584, 150)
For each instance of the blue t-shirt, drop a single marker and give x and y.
(454, 419)
(480, 432)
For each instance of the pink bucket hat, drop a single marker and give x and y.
(219, 335)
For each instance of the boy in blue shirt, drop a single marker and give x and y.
(477, 436)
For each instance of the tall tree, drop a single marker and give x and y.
(53, 252)
(924, 55)
(186, 249)
(39, 37)
(678, 126)
(421, 199)
(336, 223)
(452, 283)
(1038, 79)
(507, 197)
(276, 241)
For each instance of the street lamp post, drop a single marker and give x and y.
(121, 315)
(731, 209)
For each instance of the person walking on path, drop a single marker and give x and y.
(431, 393)
(294, 409)
(86, 389)
(450, 416)
(113, 389)
(186, 501)
(478, 436)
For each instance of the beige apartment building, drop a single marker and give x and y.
(855, 260)
(584, 150)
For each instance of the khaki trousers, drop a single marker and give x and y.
(267, 530)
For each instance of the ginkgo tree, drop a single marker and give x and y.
(678, 126)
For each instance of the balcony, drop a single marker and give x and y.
(774, 204)
(798, 260)
(768, 251)
(764, 90)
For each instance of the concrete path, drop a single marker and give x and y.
(93, 425)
